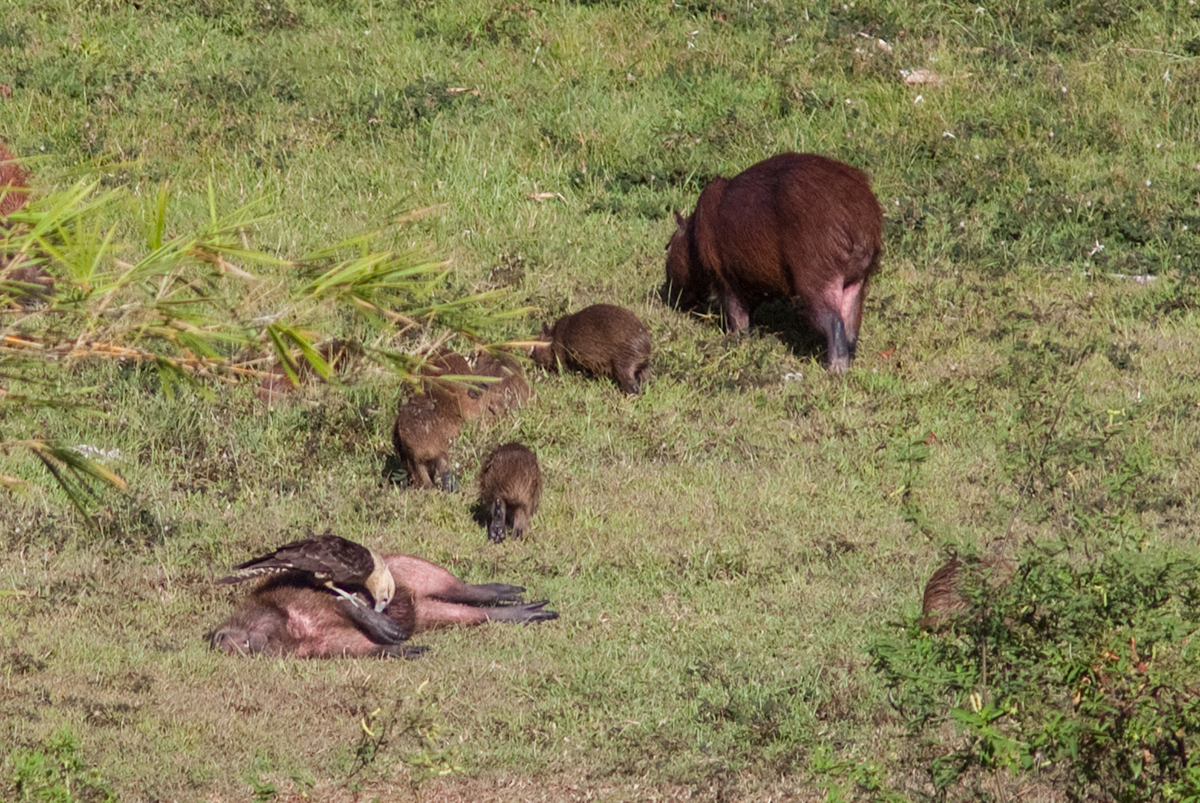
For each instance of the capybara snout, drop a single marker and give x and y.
(796, 226)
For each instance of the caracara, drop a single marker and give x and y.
(331, 560)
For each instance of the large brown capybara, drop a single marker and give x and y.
(797, 226)
(510, 489)
(293, 614)
(945, 593)
(604, 340)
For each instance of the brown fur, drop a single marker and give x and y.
(426, 426)
(602, 339)
(944, 593)
(510, 489)
(510, 392)
(277, 386)
(795, 226)
(291, 615)
(28, 283)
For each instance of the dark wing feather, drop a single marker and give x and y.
(326, 557)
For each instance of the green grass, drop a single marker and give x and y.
(723, 549)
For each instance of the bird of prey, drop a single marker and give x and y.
(331, 560)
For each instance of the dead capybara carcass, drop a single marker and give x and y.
(946, 592)
(510, 489)
(796, 226)
(430, 421)
(293, 614)
(604, 340)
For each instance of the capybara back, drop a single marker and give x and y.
(510, 489)
(797, 226)
(604, 340)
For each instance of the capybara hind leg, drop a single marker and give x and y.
(853, 294)
(491, 593)
(418, 475)
(524, 613)
(432, 614)
(737, 315)
(497, 526)
(520, 522)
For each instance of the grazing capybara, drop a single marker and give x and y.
(797, 226)
(426, 426)
(602, 339)
(509, 392)
(278, 385)
(944, 593)
(293, 614)
(510, 489)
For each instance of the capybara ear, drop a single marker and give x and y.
(680, 220)
(546, 333)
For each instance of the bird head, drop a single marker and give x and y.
(381, 584)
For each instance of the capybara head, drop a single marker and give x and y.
(688, 285)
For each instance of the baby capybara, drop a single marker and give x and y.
(292, 614)
(797, 226)
(510, 489)
(425, 427)
(944, 593)
(509, 392)
(602, 339)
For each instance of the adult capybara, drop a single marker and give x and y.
(945, 593)
(602, 339)
(293, 614)
(510, 489)
(797, 226)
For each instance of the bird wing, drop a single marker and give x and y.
(326, 557)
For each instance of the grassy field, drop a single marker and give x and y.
(724, 549)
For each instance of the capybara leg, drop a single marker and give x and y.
(520, 522)
(839, 347)
(524, 613)
(445, 477)
(496, 526)
(418, 475)
(378, 627)
(853, 295)
(428, 580)
(737, 317)
(491, 594)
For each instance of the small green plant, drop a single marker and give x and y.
(1075, 668)
(55, 772)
